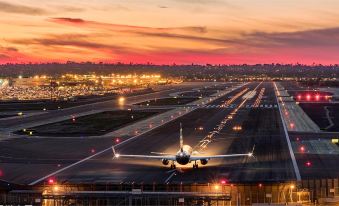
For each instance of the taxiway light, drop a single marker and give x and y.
(51, 181)
(56, 188)
(30, 133)
(308, 97)
(335, 141)
(121, 100)
(308, 163)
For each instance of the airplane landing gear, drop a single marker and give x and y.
(195, 165)
(173, 165)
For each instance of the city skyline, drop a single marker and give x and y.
(171, 31)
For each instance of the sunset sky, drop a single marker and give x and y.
(170, 31)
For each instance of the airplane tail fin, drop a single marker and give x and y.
(181, 138)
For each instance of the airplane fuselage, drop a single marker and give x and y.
(183, 155)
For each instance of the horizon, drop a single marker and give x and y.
(170, 32)
(170, 65)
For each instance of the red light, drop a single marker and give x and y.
(299, 96)
(292, 125)
(51, 181)
(302, 149)
(223, 182)
(117, 140)
(93, 150)
(317, 97)
(298, 139)
(308, 163)
(260, 185)
(308, 97)
(232, 185)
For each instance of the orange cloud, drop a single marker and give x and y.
(85, 23)
(20, 9)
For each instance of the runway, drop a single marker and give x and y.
(261, 125)
(49, 116)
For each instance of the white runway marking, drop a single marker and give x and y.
(170, 177)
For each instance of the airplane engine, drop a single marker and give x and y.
(165, 161)
(204, 161)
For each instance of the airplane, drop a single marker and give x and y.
(184, 156)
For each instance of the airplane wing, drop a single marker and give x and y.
(158, 157)
(194, 158)
(146, 157)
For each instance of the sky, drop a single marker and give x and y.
(170, 31)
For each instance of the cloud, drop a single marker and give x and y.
(66, 20)
(11, 54)
(122, 27)
(20, 9)
(4, 56)
(70, 9)
(328, 37)
(70, 41)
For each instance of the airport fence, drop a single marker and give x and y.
(155, 194)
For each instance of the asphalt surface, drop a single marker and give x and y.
(319, 160)
(6, 125)
(27, 160)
